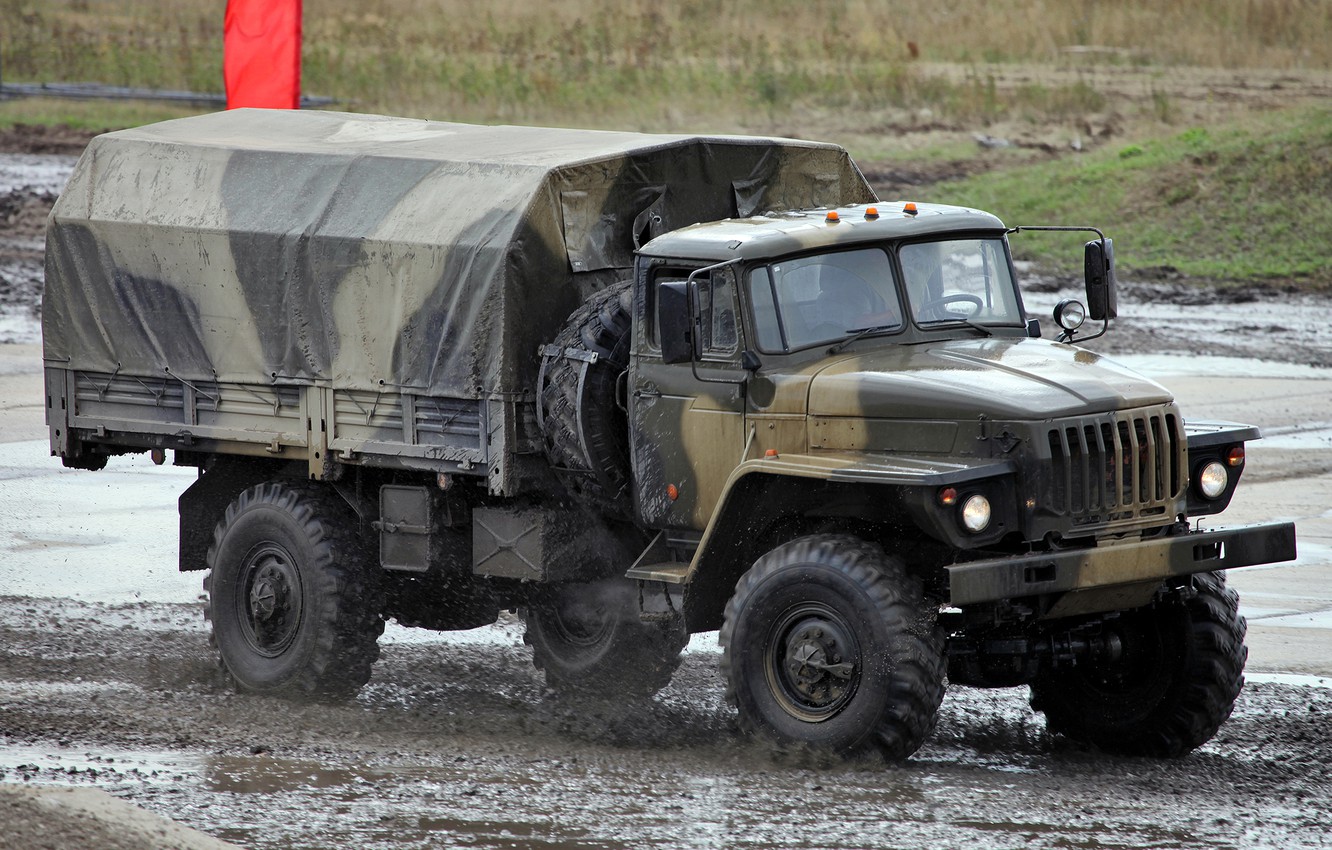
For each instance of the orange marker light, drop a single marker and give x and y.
(1235, 457)
(948, 496)
(672, 492)
(871, 212)
(833, 217)
(909, 208)
(770, 453)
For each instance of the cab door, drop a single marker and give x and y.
(687, 419)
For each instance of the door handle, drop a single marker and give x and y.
(647, 391)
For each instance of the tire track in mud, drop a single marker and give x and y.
(457, 742)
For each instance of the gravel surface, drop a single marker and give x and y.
(455, 743)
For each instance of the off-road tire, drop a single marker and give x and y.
(600, 475)
(293, 599)
(589, 641)
(1176, 682)
(833, 599)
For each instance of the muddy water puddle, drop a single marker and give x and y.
(35, 172)
(556, 796)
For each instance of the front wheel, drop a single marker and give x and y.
(830, 645)
(590, 641)
(1174, 681)
(295, 606)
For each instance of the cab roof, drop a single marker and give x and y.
(777, 234)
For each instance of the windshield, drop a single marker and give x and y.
(823, 298)
(960, 280)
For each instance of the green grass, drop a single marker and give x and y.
(1230, 202)
(97, 115)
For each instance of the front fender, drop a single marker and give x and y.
(1210, 441)
(766, 499)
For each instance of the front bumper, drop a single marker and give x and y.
(1119, 564)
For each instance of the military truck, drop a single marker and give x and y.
(638, 387)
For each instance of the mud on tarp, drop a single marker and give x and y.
(368, 251)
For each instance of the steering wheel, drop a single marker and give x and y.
(937, 307)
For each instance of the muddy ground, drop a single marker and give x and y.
(459, 745)
(456, 743)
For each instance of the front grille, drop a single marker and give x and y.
(1118, 467)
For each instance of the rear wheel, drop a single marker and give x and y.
(590, 641)
(830, 645)
(294, 604)
(1173, 683)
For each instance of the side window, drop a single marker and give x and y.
(716, 306)
(716, 303)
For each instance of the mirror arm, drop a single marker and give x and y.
(1068, 336)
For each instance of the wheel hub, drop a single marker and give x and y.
(268, 593)
(816, 669)
(269, 606)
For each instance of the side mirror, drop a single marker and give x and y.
(675, 321)
(1102, 300)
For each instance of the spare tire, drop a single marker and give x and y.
(586, 431)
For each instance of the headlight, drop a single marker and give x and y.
(1212, 479)
(976, 514)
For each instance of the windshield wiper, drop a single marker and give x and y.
(857, 333)
(959, 320)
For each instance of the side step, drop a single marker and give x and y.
(670, 572)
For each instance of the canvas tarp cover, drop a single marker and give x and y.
(372, 252)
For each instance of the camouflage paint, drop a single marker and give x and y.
(369, 251)
(395, 269)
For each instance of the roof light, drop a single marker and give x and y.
(871, 212)
(770, 453)
(909, 208)
(833, 217)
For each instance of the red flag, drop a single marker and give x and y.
(262, 44)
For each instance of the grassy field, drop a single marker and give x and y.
(657, 64)
(1249, 200)
(1195, 174)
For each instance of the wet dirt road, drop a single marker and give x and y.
(456, 745)
(107, 680)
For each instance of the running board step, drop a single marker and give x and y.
(671, 573)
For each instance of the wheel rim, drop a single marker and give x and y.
(268, 606)
(812, 660)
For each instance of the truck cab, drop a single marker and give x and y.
(827, 380)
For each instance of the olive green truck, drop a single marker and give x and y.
(639, 387)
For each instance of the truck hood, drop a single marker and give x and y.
(1006, 378)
